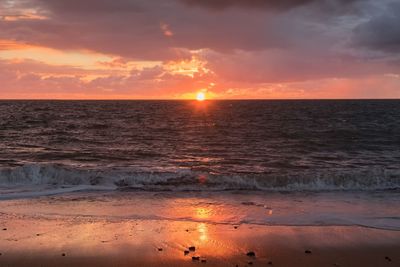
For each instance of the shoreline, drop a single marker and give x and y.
(367, 209)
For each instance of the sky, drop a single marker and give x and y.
(173, 49)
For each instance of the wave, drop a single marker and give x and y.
(59, 176)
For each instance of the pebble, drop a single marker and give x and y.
(270, 263)
(204, 261)
(192, 248)
(186, 252)
(308, 251)
(251, 254)
(4, 229)
(195, 258)
(388, 259)
(63, 255)
(160, 249)
(250, 263)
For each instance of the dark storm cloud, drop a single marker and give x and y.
(130, 28)
(381, 32)
(294, 41)
(133, 28)
(258, 4)
(273, 4)
(91, 6)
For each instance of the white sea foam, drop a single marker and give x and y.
(53, 176)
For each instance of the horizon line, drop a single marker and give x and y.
(189, 99)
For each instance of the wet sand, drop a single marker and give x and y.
(40, 238)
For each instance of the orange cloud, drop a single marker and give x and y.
(191, 68)
(12, 45)
(141, 49)
(26, 16)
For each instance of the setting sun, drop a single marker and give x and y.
(201, 96)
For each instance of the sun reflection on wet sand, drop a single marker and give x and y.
(202, 229)
(203, 212)
(50, 233)
(102, 242)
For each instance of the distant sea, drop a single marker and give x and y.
(212, 145)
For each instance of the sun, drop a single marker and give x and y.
(201, 96)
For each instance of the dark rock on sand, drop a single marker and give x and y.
(63, 255)
(192, 248)
(186, 252)
(195, 258)
(4, 229)
(251, 254)
(250, 263)
(160, 249)
(235, 227)
(270, 263)
(308, 251)
(204, 261)
(388, 259)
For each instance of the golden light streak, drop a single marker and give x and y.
(12, 45)
(10, 50)
(16, 14)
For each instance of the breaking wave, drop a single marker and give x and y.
(59, 176)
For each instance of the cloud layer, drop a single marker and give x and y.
(381, 32)
(171, 49)
(263, 4)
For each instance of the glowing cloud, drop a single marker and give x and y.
(174, 49)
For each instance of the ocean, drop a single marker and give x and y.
(280, 145)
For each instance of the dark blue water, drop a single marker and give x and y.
(321, 144)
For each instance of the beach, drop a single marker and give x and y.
(156, 228)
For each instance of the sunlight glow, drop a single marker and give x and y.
(201, 96)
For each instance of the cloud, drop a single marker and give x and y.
(121, 27)
(279, 66)
(48, 81)
(161, 30)
(273, 4)
(260, 4)
(91, 6)
(158, 48)
(381, 32)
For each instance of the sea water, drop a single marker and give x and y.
(320, 162)
(212, 145)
